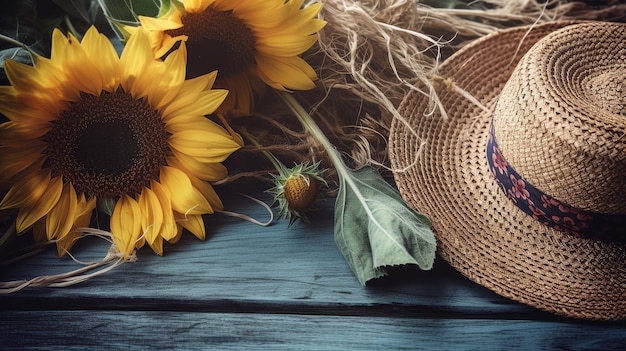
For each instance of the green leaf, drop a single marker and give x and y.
(128, 10)
(125, 12)
(81, 9)
(16, 54)
(375, 229)
(18, 34)
(78, 15)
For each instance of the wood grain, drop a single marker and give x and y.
(272, 288)
(154, 330)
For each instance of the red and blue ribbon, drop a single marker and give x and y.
(549, 210)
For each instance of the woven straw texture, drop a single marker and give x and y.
(559, 98)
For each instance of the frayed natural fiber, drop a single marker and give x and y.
(368, 57)
(112, 259)
(248, 218)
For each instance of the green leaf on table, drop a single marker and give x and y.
(375, 229)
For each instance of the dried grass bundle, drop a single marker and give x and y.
(369, 56)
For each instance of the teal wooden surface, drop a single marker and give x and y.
(157, 330)
(272, 288)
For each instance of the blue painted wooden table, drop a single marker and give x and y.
(272, 288)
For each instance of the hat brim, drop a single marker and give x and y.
(441, 170)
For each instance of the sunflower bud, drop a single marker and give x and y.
(300, 191)
(296, 190)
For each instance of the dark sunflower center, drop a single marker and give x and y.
(116, 138)
(217, 40)
(108, 145)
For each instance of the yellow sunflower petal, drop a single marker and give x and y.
(39, 231)
(203, 82)
(158, 24)
(27, 191)
(135, 59)
(84, 210)
(194, 224)
(61, 217)
(34, 105)
(208, 192)
(185, 197)
(128, 31)
(169, 227)
(7, 92)
(32, 112)
(304, 21)
(26, 131)
(152, 219)
(126, 224)
(50, 74)
(201, 104)
(27, 216)
(157, 245)
(14, 160)
(285, 45)
(241, 88)
(196, 6)
(311, 11)
(179, 233)
(204, 171)
(24, 77)
(176, 62)
(99, 49)
(166, 43)
(59, 85)
(179, 123)
(187, 89)
(286, 73)
(262, 14)
(170, 80)
(59, 45)
(65, 244)
(205, 146)
(81, 71)
(32, 168)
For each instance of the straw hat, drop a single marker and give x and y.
(527, 195)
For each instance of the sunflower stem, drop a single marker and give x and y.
(345, 176)
(72, 29)
(270, 156)
(17, 43)
(309, 124)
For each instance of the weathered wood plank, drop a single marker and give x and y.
(274, 288)
(251, 265)
(152, 330)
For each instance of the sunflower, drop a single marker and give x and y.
(86, 125)
(251, 44)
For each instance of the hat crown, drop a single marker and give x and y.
(560, 120)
